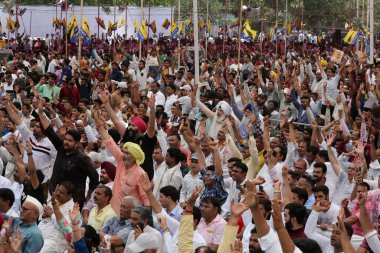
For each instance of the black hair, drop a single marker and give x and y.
(75, 134)
(301, 193)
(7, 194)
(321, 188)
(197, 214)
(324, 154)
(91, 238)
(175, 153)
(296, 210)
(170, 191)
(309, 180)
(307, 245)
(295, 175)
(213, 201)
(107, 191)
(68, 186)
(321, 165)
(241, 166)
(364, 184)
(234, 159)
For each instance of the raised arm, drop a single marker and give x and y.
(31, 166)
(152, 117)
(12, 114)
(104, 97)
(217, 159)
(333, 160)
(287, 243)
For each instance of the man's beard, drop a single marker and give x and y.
(259, 250)
(288, 226)
(220, 118)
(133, 134)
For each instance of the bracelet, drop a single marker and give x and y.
(277, 191)
(29, 154)
(166, 229)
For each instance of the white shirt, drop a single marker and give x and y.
(148, 229)
(51, 231)
(168, 176)
(17, 191)
(343, 188)
(185, 104)
(189, 184)
(311, 233)
(170, 100)
(160, 98)
(329, 217)
(44, 152)
(171, 239)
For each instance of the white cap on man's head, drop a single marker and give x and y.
(36, 203)
(150, 80)
(186, 87)
(144, 242)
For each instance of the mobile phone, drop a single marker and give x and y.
(140, 225)
(261, 188)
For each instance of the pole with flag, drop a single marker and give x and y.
(180, 30)
(196, 41)
(141, 23)
(371, 31)
(239, 34)
(207, 32)
(80, 37)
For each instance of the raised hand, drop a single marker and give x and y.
(16, 241)
(151, 102)
(74, 214)
(276, 213)
(238, 208)
(359, 147)
(213, 146)
(251, 198)
(194, 195)
(104, 96)
(322, 206)
(237, 247)
(145, 182)
(362, 198)
(330, 139)
(258, 180)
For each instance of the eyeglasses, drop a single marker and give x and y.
(23, 209)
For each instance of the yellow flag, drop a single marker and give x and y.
(122, 22)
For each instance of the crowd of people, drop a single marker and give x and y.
(274, 151)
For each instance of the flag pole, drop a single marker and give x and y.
(141, 20)
(79, 35)
(126, 20)
(67, 9)
(149, 3)
(286, 24)
(371, 31)
(239, 35)
(98, 19)
(196, 41)
(179, 38)
(225, 24)
(114, 32)
(277, 25)
(207, 32)
(262, 28)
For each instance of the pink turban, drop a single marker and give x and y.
(141, 125)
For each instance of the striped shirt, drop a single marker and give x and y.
(44, 153)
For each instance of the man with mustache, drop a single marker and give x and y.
(137, 132)
(71, 164)
(128, 170)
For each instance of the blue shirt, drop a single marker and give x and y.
(32, 237)
(115, 226)
(310, 202)
(176, 212)
(217, 190)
